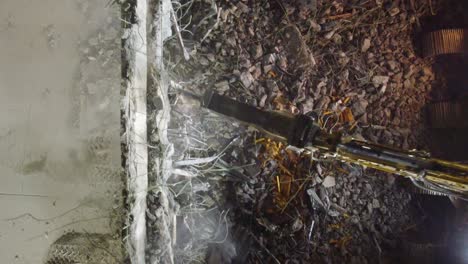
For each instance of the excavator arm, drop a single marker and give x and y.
(302, 132)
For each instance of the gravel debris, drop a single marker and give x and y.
(330, 58)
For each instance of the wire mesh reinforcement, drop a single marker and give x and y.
(74, 248)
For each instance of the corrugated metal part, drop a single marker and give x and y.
(445, 41)
(418, 190)
(448, 114)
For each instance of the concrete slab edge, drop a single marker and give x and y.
(135, 136)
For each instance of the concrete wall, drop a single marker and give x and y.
(59, 123)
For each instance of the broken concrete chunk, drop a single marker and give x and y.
(296, 50)
(222, 86)
(262, 101)
(211, 57)
(407, 84)
(272, 86)
(392, 64)
(247, 79)
(375, 203)
(243, 7)
(328, 182)
(297, 225)
(315, 200)
(369, 208)
(330, 34)
(315, 26)
(365, 45)
(390, 179)
(267, 68)
(394, 11)
(360, 107)
(270, 59)
(308, 4)
(257, 52)
(380, 80)
(333, 213)
(308, 106)
(204, 61)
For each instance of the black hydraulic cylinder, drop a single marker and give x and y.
(295, 130)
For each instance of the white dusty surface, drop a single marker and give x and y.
(135, 114)
(59, 123)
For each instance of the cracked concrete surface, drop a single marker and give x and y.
(60, 123)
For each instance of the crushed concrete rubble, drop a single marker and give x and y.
(349, 62)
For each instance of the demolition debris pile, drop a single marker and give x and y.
(352, 64)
